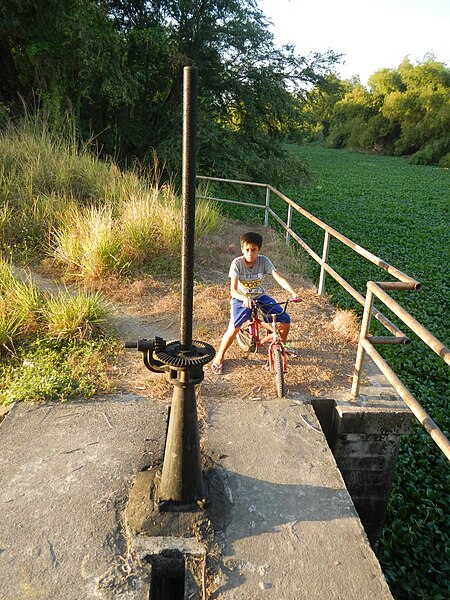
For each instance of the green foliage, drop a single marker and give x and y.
(315, 109)
(51, 347)
(94, 219)
(406, 111)
(45, 370)
(118, 67)
(400, 213)
(70, 317)
(87, 243)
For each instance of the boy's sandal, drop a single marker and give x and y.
(217, 369)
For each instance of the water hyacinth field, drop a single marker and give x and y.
(401, 213)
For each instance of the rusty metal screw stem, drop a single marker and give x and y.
(181, 478)
(188, 193)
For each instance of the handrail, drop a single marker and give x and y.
(345, 240)
(378, 289)
(375, 288)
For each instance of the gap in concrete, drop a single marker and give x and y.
(168, 573)
(364, 436)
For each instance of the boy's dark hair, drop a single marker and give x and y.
(252, 238)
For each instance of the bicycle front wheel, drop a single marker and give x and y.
(245, 340)
(277, 361)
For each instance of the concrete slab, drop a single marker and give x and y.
(67, 469)
(294, 532)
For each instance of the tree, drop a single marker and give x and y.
(315, 108)
(406, 111)
(350, 117)
(118, 64)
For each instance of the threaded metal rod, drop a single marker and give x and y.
(188, 196)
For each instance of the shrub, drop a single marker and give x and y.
(72, 317)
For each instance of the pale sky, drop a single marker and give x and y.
(373, 34)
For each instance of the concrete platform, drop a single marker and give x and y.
(66, 471)
(294, 532)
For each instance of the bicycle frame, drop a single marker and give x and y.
(273, 337)
(248, 338)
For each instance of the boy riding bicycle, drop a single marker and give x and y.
(246, 273)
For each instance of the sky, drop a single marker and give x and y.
(373, 34)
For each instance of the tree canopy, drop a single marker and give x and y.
(118, 65)
(405, 112)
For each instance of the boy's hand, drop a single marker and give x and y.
(247, 303)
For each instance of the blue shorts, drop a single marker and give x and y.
(241, 314)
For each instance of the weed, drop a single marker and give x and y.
(46, 370)
(71, 317)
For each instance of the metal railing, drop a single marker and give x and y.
(378, 289)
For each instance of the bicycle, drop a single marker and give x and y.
(249, 340)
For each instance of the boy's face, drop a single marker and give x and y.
(250, 252)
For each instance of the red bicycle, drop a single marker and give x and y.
(249, 340)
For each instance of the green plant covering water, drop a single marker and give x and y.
(401, 213)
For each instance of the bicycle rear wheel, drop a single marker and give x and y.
(245, 340)
(277, 361)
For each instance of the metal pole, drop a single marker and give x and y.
(188, 195)
(181, 478)
(326, 246)
(266, 211)
(363, 335)
(289, 223)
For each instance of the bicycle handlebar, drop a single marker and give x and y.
(257, 304)
(286, 302)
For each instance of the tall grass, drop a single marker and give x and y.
(93, 218)
(50, 346)
(27, 313)
(41, 173)
(20, 307)
(60, 199)
(70, 317)
(88, 243)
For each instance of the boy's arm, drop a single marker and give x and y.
(284, 283)
(235, 293)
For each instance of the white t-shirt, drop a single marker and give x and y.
(249, 279)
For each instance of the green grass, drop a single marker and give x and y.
(51, 347)
(61, 200)
(401, 213)
(45, 370)
(96, 220)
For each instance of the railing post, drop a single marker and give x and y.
(326, 247)
(365, 324)
(266, 211)
(289, 222)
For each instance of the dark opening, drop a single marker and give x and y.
(167, 580)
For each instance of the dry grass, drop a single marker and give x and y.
(324, 337)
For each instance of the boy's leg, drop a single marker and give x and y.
(284, 331)
(283, 318)
(226, 342)
(239, 314)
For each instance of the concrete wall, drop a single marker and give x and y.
(364, 437)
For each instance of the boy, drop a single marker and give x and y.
(246, 273)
